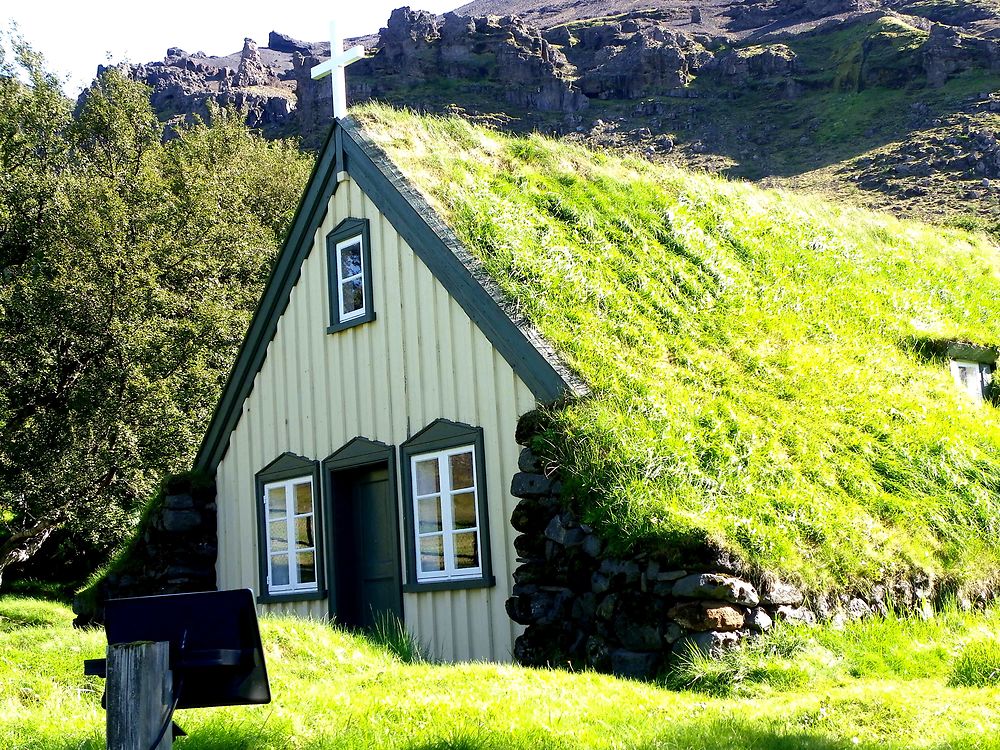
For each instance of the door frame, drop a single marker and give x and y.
(358, 453)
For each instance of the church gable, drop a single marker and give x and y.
(349, 156)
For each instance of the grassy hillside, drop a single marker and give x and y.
(881, 684)
(761, 362)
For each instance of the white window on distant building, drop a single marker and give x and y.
(972, 378)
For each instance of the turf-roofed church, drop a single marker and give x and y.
(576, 409)
(364, 445)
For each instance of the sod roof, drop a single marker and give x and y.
(766, 368)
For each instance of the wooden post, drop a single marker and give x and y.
(140, 691)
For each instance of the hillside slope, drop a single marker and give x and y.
(766, 367)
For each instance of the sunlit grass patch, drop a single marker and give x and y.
(799, 688)
(977, 664)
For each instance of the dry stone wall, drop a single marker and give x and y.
(632, 614)
(174, 551)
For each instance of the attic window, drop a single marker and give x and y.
(972, 378)
(350, 275)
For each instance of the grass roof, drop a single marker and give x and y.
(765, 366)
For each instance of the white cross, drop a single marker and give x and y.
(339, 59)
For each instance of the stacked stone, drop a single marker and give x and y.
(174, 553)
(632, 614)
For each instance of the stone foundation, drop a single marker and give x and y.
(173, 552)
(632, 614)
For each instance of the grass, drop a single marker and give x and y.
(336, 690)
(955, 645)
(754, 356)
(977, 665)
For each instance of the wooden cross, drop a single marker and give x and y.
(334, 67)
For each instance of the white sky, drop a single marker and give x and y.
(76, 36)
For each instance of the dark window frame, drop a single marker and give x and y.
(346, 230)
(289, 466)
(440, 435)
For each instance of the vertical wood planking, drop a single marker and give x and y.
(139, 694)
(421, 359)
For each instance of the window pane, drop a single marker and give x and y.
(429, 512)
(466, 550)
(279, 570)
(352, 295)
(303, 498)
(431, 554)
(350, 260)
(464, 510)
(307, 567)
(276, 502)
(279, 536)
(428, 479)
(304, 532)
(461, 470)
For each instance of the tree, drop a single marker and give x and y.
(130, 267)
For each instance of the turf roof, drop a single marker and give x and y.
(763, 364)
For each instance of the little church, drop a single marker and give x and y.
(363, 446)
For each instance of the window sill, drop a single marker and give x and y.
(291, 596)
(452, 585)
(337, 327)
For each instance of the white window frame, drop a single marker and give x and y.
(448, 530)
(978, 377)
(359, 240)
(293, 551)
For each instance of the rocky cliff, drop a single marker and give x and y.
(747, 87)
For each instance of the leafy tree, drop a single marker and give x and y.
(129, 267)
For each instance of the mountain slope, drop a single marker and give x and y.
(891, 103)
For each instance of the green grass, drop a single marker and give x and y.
(335, 690)
(754, 356)
(978, 664)
(955, 645)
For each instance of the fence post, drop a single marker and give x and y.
(139, 694)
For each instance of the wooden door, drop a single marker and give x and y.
(366, 547)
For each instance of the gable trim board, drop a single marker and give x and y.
(348, 150)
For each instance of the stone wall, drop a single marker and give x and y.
(631, 614)
(173, 551)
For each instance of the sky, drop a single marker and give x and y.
(77, 36)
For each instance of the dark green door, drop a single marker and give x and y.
(366, 548)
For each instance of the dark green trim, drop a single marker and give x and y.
(984, 355)
(297, 246)
(545, 383)
(357, 453)
(293, 596)
(458, 585)
(439, 435)
(289, 466)
(345, 230)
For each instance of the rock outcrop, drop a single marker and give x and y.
(948, 52)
